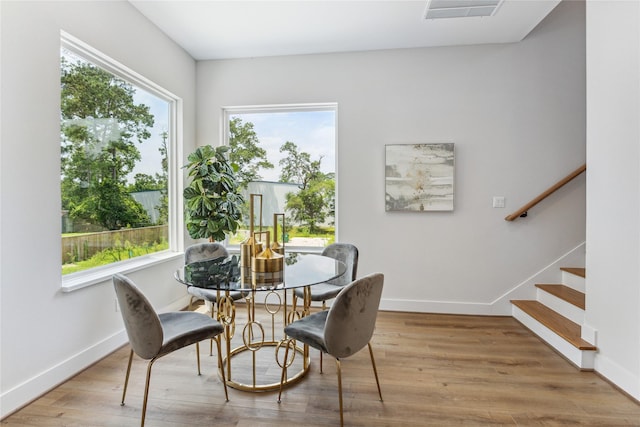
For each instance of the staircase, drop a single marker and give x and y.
(556, 317)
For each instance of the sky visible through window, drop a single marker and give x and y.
(149, 149)
(312, 131)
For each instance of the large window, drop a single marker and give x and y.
(287, 155)
(117, 139)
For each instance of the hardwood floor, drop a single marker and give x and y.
(440, 370)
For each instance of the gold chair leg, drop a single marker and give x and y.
(126, 377)
(284, 371)
(146, 392)
(375, 371)
(198, 356)
(220, 367)
(211, 341)
(340, 390)
(324, 307)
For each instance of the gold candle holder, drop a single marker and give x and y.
(275, 246)
(267, 266)
(250, 247)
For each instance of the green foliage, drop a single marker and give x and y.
(315, 200)
(120, 252)
(326, 233)
(111, 206)
(100, 127)
(245, 151)
(310, 206)
(144, 182)
(298, 167)
(213, 200)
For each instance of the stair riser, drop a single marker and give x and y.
(583, 359)
(570, 311)
(573, 281)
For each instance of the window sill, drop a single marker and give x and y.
(74, 281)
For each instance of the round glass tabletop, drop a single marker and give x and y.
(225, 273)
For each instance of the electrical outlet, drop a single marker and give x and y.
(498, 201)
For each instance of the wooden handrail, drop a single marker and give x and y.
(522, 212)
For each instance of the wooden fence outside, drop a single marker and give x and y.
(79, 248)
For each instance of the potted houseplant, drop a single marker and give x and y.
(213, 201)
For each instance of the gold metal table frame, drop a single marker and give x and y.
(300, 271)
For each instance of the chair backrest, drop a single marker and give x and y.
(140, 319)
(201, 251)
(352, 317)
(348, 254)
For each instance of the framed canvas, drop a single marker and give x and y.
(419, 177)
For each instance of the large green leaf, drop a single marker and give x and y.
(212, 199)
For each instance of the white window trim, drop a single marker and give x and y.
(83, 279)
(282, 108)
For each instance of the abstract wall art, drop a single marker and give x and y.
(419, 177)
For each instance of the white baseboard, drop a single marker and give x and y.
(22, 394)
(623, 379)
(501, 306)
(444, 307)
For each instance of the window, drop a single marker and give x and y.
(117, 144)
(287, 154)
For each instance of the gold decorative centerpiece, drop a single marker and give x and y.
(264, 266)
(267, 266)
(250, 247)
(275, 246)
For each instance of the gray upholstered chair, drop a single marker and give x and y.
(348, 254)
(153, 335)
(344, 329)
(202, 251)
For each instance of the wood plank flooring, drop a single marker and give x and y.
(435, 370)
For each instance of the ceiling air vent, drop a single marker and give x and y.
(439, 9)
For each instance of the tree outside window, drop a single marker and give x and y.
(287, 154)
(114, 167)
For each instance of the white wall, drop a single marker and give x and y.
(516, 113)
(613, 200)
(46, 335)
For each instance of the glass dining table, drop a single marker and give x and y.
(259, 369)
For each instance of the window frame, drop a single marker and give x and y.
(284, 108)
(82, 279)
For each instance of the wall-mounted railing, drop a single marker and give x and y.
(522, 212)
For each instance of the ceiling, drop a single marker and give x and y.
(220, 29)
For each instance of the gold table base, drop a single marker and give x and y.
(255, 387)
(253, 337)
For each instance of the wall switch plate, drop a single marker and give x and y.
(498, 201)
